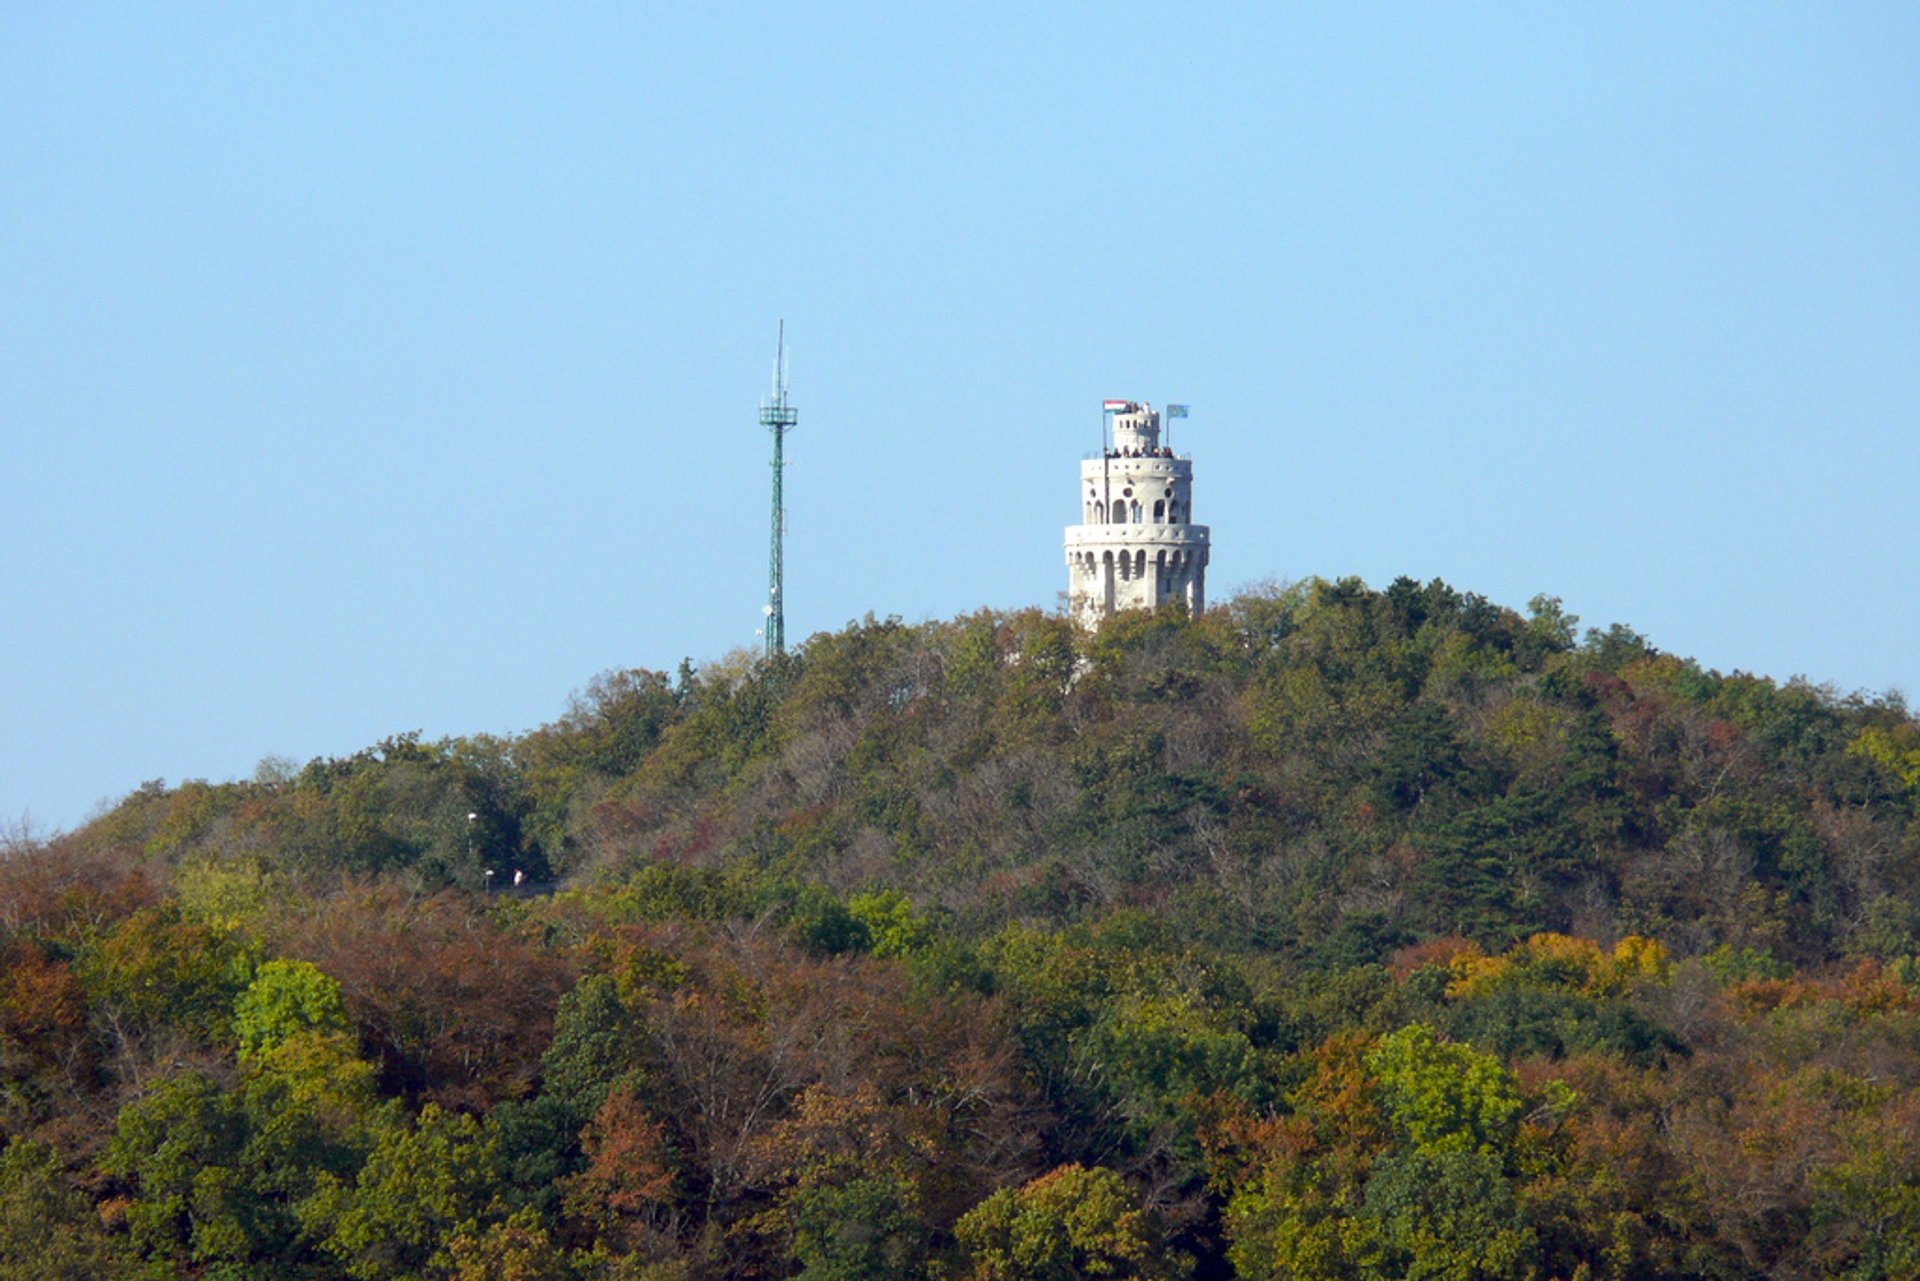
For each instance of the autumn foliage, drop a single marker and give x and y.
(1338, 933)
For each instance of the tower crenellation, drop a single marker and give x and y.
(1136, 546)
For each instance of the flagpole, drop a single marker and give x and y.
(1167, 415)
(1106, 482)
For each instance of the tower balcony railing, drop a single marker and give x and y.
(1094, 456)
(1145, 532)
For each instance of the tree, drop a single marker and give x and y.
(48, 1231)
(861, 1229)
(1396, 1163)
(285, 999)
(1422, 760)
(1442, 1096)
(859, 1177)
(310, 1107)
(422, 1185)
(179, 1148)
(517, 1248)
(1550, 628)
(1068, 1224)
(1443, 1214)
(156, 975)
(45, 1051)
(453, 1004)
(1295, 1182)
(627, 1196)
(221, 1176)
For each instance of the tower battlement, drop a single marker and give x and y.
(1136, 546)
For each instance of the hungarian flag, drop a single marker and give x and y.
(1117, 406)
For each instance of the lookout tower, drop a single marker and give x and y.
(1137, 546)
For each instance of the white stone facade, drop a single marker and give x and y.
(1137, 547)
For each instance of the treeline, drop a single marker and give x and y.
(1336, 933)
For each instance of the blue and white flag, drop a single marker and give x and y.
(1176, 411)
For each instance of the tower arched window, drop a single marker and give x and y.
(1159, 511)
(1136, 511)
(1119, 511)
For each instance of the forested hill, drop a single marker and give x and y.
(1335, 933)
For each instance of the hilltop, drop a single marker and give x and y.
(1335, 932)
(1325, 771)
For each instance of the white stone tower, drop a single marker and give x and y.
(1138, 547)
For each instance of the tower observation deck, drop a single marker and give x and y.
(1136, 546)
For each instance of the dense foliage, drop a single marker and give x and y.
(1337, 933)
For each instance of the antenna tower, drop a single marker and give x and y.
(778, 417)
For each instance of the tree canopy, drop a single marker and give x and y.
(1335, 933)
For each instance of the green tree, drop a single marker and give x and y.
(1068, 1224)
(1153, 1052)
(1443, 1214)
(422, 1185)
(310, 1106)
(857, 1229)
(48, 1230)
(517, 1248)
(219, 1176)
(893, 927)
(179, 1147)
(285, 999)
(155, 973)
(1550, 628)
(1444, 1097)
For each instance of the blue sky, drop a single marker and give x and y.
(367, 369)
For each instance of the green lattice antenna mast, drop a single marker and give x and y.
(778, 417)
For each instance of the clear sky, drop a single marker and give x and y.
(372, 368)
